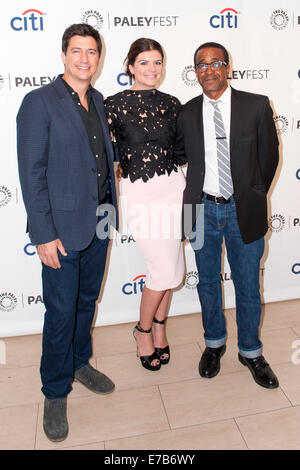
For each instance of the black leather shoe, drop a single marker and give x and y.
(209, 365)
(261, 371)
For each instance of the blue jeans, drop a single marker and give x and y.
(70, 294)
(220, 221)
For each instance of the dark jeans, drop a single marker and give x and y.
(70, 294)
(220, 222)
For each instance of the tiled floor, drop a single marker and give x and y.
(171, 409)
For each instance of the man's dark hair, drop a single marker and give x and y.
(213, 44)
(80, 29)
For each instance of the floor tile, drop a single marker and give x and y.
(18, 427)
(126, 370)
(297, 330)
(22, 386)
(113, 339)
(92, 446)
(277, 345)
(120, 414)
(173, 408)
(211, 436)
(225, 396)
(289, 380)
(275, 430)
(22, 351)
(281, 314)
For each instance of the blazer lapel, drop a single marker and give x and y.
(199, 123)
(68, 109)
(102, 116)
(234, 118)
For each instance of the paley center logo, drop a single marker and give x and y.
(8, 302)
(276, 223)
(5, 196)
(30, 20)
(135, 286)
(279, 20)
(188, 76)
(227, 18)
(93, 18)
(281, 123)
(191, 280)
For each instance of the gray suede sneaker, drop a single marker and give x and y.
(55, 419)
(94, 380)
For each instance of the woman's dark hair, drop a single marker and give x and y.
(217, 46)
(80, 29)
(138, 46)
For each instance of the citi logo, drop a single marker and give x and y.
(135, 286)
(31, 20)
(227, 18)
(296, 268)
(30, 249)
(124, 80)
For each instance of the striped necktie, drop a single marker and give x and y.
(225, 180)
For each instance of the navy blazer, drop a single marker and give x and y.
(253, 158)
(57, 167)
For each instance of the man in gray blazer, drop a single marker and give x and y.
(67, 178)
(229, 141)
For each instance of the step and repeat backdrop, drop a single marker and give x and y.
(263, 41)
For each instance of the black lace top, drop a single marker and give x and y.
(143, 123)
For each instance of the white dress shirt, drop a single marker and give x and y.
(211, 180)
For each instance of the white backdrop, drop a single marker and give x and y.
(263, 41)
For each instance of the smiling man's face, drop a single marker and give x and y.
(213, 82)
(81, 60)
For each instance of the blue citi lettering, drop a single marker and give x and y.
(228, 20)
(296, 268)
(135, 286)
(124, 80)
(28, 248)
(32, 22)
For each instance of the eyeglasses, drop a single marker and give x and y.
(202, 66)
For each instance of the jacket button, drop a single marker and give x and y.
(95, 198)
(94, 170)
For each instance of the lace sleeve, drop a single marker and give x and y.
(111, 117)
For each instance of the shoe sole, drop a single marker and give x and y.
(57, 440)
(253, 375)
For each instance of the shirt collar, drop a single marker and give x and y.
(89, 92)
(224, 98)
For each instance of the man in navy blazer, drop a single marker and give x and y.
(67, 177)
(229, 141)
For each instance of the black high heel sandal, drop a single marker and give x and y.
(146, 360)
(162, 351)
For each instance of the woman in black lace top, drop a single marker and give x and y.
(142, 121)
